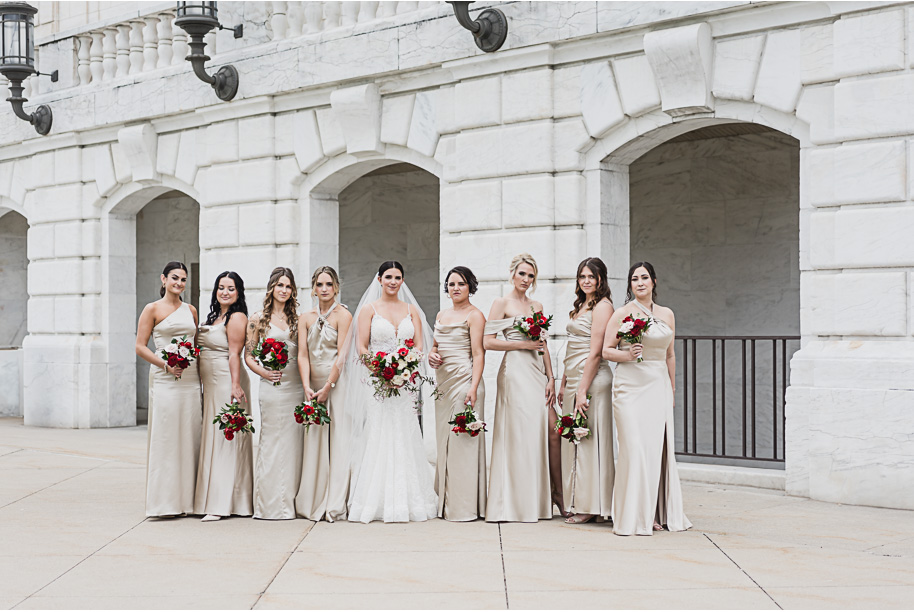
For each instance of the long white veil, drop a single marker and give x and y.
(357, 394)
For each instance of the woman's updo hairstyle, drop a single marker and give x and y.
(466, 274)
(171, 265)
(650, 270)
(387, 265)
(525, 258)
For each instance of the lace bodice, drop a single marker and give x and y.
(384, 337)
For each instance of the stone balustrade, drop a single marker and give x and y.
(291, 19)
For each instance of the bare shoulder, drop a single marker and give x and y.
(254, 319)
(238, 320)
(537, 306)
(665, 313)
(343, 313)
(308, 317)
(476, 317)
(603, 307)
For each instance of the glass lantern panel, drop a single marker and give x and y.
(11, 42)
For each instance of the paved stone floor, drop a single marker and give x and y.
(73, 535)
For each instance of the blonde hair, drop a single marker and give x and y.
(290, 309)
(334, 278)
(525, 258)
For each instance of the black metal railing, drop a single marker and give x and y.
(730, 396)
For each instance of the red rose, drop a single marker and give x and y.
(455, 429)
(388, 373)
(530, 321)
(172, 360)
(460, 420)
(375, 363)
(409, 343)
(567, 421)
(403, 352)
(299, 418)
(380, 354)
(474, 433)
(229, 434)
(535, 331)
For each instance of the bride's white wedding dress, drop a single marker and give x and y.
(394, 481)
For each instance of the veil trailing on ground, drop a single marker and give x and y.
(356, 392)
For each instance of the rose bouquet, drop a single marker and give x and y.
(391, 373)
(272, 354)
(311, 413)
(533, 327)
(467, 421)
(179, 353)
(632, 330)
(232, 419)
(573, 429)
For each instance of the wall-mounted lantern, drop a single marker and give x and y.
(17, 60)
(197, 19)
(489, 30)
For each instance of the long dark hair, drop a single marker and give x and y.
(171, 265)
(598, 268)
(466, 274)
(215, 309)
(650, 270)
(387, 265)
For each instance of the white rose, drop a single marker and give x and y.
(475, 425)
(225, 418)
(626, 327)
(268, 357)
(183, 351)
(171, 348)
(581, 432)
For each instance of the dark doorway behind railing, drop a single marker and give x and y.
(730, 393)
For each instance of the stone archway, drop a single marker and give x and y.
(13, 307)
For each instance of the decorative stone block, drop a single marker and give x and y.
(874, 237)
(526, 95)
(250, 181)
(528, 202)
(857, 173)
(778, 84)
(817, 54)
(637, 88)
(91, 238)
(91, 275)
(138, 144)
(222, 142)
(40, 314)
(188, 161)
(570, 199)
(474, 205)
(358, 112)
(600, 105)
(67, 166)
(423, 132)
(844, 304)
(287, 173)
(56, 204)
(566, 91)
(445, 116)
(285, 128)
(479, 102)
(68, 239)
(736, 64)
(396, 115)
(507, 151)
(40, 241)
(55, 277)
(256, 137)
(122, 171)
(817, 108)
(167, 153)
(570, 249)
(869, 43)
(681, 60)
(306, 141)
(253, 264)
(287, 222)
(38, 171)
(68, 315)
(570, 138)
(488, 255)
(219, 227)
(874, 107)
(259, 223)
(332, 138)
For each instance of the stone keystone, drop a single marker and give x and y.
(681, 61)
(358, 111)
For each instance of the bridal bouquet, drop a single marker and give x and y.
(232, 419)
(310, 413)
(632, 330)
(272, 354)
(396, 371)
(179, 353)
(467, 422)
(534, 326)
(573, 429)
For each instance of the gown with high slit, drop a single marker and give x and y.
(311, 501)
(394, 480)
(518, 470)
(277, 471)
(225, 480)
(647, 481)
(175, 422)
(587, 468)
(460, 479)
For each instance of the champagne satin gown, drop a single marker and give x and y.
(175, 422)
(647, 482)
(225, 479)
(277, 471)
(519, 474)
(587, 468)
(460, 479)
(313, 492)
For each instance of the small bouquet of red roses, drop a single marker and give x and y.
(632, 330)
(390, 373)
(467, 422)
(232, 419)
(310, 413)
(573, 429)
(180, 353)
(533, 327)
(272, 354)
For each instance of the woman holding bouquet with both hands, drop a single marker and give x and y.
(524, 409)
(647, 493)
(277, 471)
(324, 327)
(587, 467)
(175, 404)
(459, 358)
(224, 474)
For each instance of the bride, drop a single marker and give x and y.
(391, 475)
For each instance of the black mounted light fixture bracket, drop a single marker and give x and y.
(490, 28)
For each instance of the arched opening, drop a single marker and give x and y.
(13, 308)
(715, 208)
(391, 213)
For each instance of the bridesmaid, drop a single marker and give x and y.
(459, 358)
(588, 469)
(519, 475)
(175, 402)
(647, 491)
(224, 474)
(277, 472)
(324, 327)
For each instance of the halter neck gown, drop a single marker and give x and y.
(647, 482)
(460, 479)
(175, 422)
(587, 468)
